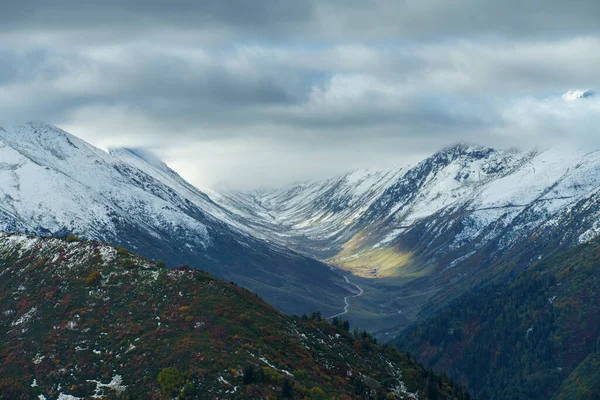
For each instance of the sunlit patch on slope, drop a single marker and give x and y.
(374, 262)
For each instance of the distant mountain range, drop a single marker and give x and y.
(412, 238)
(314, 216)
(52, 183)
(422, 235)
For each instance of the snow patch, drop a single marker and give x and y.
(577, 94)
(115, 384)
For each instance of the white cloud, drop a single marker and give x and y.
(553, 121)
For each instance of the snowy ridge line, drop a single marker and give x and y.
(479, 194)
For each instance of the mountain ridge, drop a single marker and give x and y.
(52, 183)
(452, 222)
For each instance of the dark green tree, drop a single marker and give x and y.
(286, 388)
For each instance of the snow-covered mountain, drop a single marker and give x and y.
(466, 197)
(451, 219)
(465, 215)
(577, 94)
(310, 216)
(52, 183)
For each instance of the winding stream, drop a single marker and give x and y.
(346, 299)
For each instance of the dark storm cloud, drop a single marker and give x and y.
(162, 79)
(262, 15)
(338, 19)
(324, 85)
(463, 18)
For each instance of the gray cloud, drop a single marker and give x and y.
(255, 92)
(332, 19)
(434, 19)
(133, 15)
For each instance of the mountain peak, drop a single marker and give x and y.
(37, 132)
(463, 150)
(41, 142)
(41, 128)
(465, 147)
(572, 95)
(143, 154)
(31, 126)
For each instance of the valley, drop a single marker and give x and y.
(417, 237)
(412, 238)
(391, 251)
(347, 299)
(470, 260)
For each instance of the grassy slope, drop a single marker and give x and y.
(584, 382)
(359, 257)
(395, 284)
(80, 316)
(521, 340)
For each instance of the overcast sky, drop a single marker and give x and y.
(263, 92)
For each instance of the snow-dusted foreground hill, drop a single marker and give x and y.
(86, 320)
(52, 183)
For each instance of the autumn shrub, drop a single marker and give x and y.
(317, 393)
(72, 238)
(270, 375)
(410, 378)
(203, 276)
(171, 381)
(245, 318)
(300, 374)
(122, 251)
(126, 263)
(94, 278)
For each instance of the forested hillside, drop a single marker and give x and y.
(524, 340)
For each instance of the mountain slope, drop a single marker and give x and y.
(522, 340)
(310, 216)
(584, 381)
(52, 183)
(85, 319)
(478, 194)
